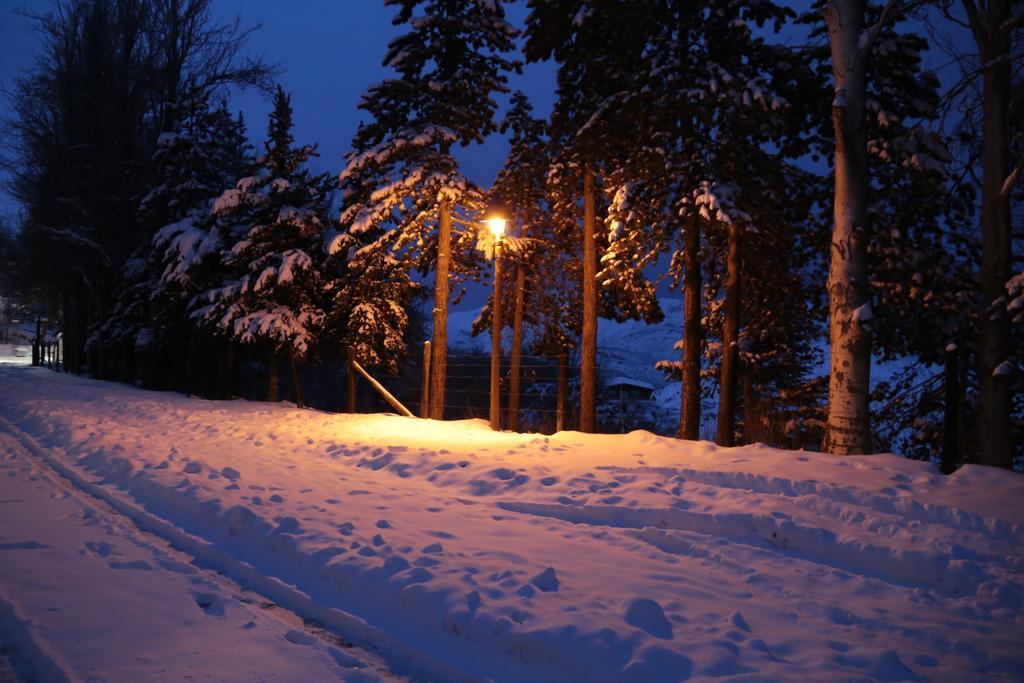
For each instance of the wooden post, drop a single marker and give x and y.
(514, 370)
(951, 411)
(295, 379)
(425, 392)
(229, 371)
(496, 342)
(37, 344)
(350, 405)
(272, 381)
(563, 386)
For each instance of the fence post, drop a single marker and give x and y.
(351, 377)
(295, 380)
(951, 411)
(563, 385)
(37, 343)
(425, 393)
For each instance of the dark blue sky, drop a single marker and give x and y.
(329, 51)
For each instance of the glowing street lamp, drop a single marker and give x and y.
(495, 218)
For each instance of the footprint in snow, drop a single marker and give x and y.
(648, 616)
(98, 549)
(211, 603)
(230, 473)
(136, 564)
(546, 581)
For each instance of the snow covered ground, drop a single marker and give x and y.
(454, 552)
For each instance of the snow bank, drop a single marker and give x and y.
(572, 557)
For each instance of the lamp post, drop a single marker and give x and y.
(495, 220)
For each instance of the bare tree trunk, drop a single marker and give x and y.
(987, 24)
(588, 345)
(848, 429)
(272, 381)
(517, 349)
(439, 345)
(689, 415)
(727, 382)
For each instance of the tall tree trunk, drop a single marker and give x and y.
(727, 381)
(689, 415)
(517, 348)
(439, 344)
(848, 428)
(272, 380)
(996, 246)
(588, 345)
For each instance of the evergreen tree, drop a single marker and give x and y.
(194, 162)
(588, 129)
(402, 185)
(271, 223)
(709, 100)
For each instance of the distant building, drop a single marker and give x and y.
(627, 404)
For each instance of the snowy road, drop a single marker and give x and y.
(459, 553)
(87, 595)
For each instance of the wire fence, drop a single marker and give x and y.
(467, 392)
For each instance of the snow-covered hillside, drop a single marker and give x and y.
(518, 557)
(630, 348)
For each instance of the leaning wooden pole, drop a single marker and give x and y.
(392, 401)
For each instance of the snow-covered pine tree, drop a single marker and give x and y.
(402, 186)
(989, 35)
(588, 130)
(710, 98)
(149, 318)
(269, 295)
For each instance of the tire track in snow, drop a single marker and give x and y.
(318, 621)
(907, 568)
(904, 507)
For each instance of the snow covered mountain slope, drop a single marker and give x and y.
(517, 557)
(629, 348)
